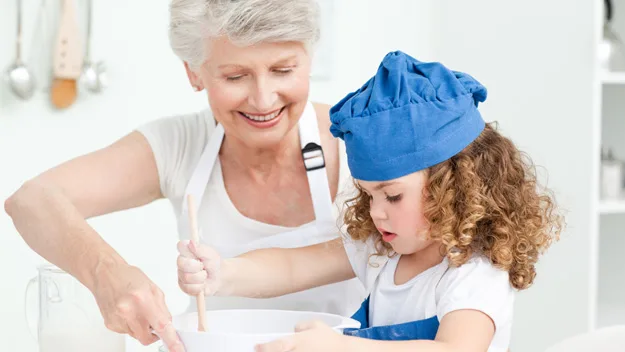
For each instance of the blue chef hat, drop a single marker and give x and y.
(410, 116)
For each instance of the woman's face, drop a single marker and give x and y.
(258, 92)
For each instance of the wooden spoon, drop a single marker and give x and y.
(67, 60)
(201, 304)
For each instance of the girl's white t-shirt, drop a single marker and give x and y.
(439, 290)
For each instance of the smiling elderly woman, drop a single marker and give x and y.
(261, 164)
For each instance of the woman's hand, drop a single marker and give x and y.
(311, 336)
(199, 268)
(132, 304)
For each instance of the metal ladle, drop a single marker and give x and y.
(20, 78)
(93, 74)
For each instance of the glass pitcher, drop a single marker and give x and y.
(68, 317)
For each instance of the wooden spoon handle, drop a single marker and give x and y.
(201, 304)
(68, 59)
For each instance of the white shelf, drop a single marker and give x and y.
(613, 78)
(612, 206)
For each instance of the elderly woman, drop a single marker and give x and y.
(261, 165)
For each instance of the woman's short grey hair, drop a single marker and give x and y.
(244, 22)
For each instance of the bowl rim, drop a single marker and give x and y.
(346, 322)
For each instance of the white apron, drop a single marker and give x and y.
(340, 298)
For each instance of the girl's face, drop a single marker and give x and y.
(397, 211)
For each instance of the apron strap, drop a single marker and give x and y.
(314, 161)
(201, 175)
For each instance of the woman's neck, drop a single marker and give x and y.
(261, 164)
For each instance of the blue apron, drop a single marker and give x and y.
(425, 329)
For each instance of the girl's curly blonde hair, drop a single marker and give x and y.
(483, 200)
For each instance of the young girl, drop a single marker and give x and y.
(446, 226)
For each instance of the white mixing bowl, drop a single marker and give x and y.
(239, 330)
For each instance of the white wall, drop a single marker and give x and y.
(534, 57)
(146, 82)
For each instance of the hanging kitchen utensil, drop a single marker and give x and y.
(19, 77)
(40, 52)
(93, 74)
(612, 50)
(67, 58)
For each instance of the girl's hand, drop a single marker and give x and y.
(311, 336)
(199, 268)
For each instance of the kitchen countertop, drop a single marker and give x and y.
(133, 345)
